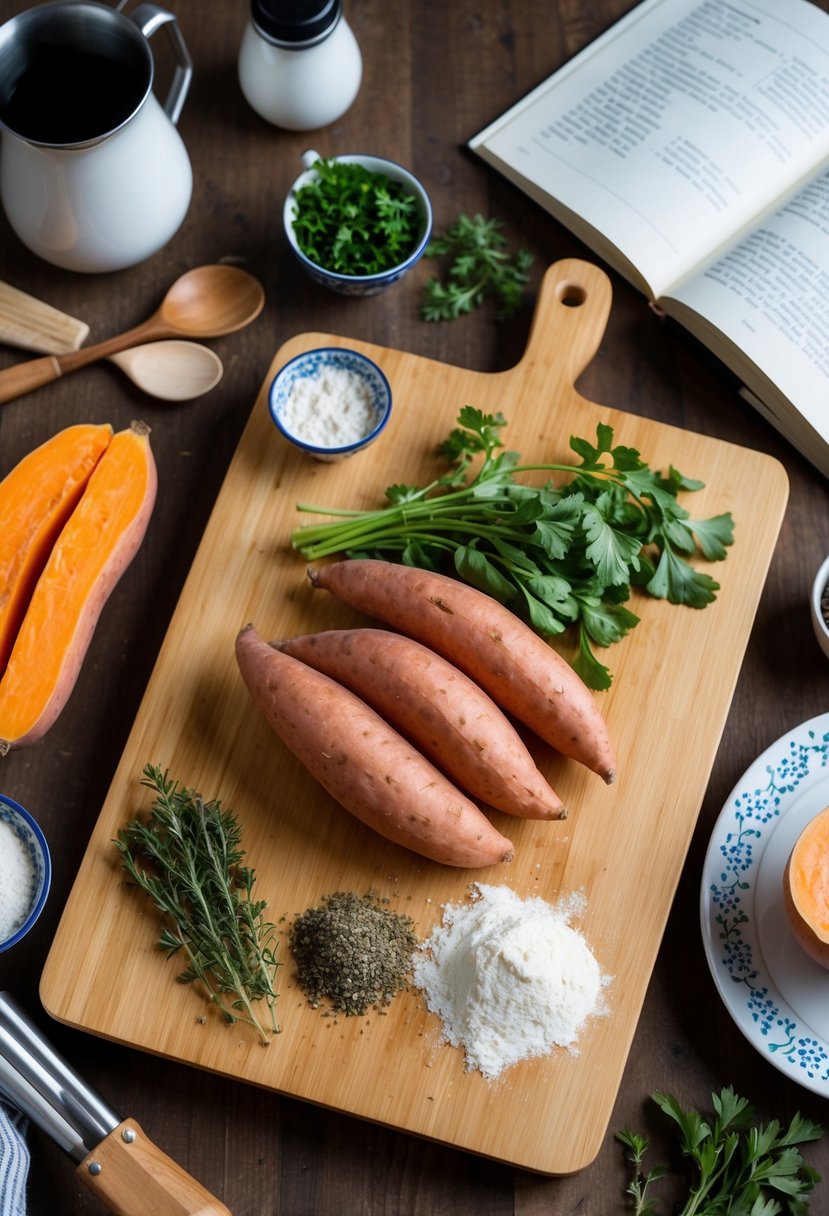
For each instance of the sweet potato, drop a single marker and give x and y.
(806, 888)
(36, 499)
(363, 762)
(97, 543)
(520, 671)
(439, 709)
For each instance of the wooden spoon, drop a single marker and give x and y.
(174, 370)
(203, 303)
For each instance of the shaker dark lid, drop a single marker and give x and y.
(295, 21)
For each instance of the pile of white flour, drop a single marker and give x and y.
(509, 978)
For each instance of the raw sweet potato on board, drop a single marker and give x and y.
(36, 498)
(520, 671)
(364, 763)
(439, 709)
(97, 543)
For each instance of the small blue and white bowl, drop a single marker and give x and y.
(369, 284)
(26, 869)
(330, 402)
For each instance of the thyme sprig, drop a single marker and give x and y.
(187, 857)
(558, 557)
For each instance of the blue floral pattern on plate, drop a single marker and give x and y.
(778, 997)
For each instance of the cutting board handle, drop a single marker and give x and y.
(132, 1177)
(572, 311)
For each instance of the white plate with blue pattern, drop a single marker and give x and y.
(776, 994)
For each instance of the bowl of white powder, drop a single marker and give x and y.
(330, 402)
(25, 872)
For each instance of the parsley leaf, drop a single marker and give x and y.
(559, 556)
(479, 269)
(354, 221)
(738, 1168)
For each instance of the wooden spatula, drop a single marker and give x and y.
(34, 325)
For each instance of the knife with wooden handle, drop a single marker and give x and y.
(34, 325)
(116, 1159)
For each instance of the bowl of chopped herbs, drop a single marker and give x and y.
(356, 223)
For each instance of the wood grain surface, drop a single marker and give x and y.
(622, 847)
(433, 74)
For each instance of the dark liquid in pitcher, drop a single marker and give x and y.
(67, 96)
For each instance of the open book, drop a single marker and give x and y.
(688, 147)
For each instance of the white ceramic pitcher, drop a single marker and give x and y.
(94, 175)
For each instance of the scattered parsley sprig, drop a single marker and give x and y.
(480, 269)
(354, 221)
(558, 557)
(739, 1168)
(187, 857)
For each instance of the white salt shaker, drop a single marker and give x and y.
(299, 63)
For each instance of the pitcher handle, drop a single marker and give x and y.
(149, 18)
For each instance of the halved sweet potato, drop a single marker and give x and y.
(36, 499)
(98, 542)
(806, 888)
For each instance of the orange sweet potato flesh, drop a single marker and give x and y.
(97, 543)
(806, 888)
(36, 499)
(363, 763)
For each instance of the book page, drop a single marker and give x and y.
(677, 126)
(769, 294)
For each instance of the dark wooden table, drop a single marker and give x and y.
(434, 73)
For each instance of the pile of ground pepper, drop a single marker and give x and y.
(353, 950)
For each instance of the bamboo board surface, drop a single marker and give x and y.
(623, 846)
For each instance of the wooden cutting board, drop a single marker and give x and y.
(622, 846)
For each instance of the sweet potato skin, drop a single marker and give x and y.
(521, 672)
(436, 706)
(363, 763)
(91, 554)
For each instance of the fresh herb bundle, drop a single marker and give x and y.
(740, 1168)
(480, 269)
(187, 856)
(354, 221)
(558, 557)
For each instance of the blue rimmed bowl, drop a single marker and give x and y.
(369, 284)
(28, 872)
(330, 402)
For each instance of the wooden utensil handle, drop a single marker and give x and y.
(36, 325)
(133, 1177)
(23, 377)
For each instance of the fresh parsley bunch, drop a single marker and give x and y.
(354, 221)
(558, 557)
(480, 269)
(739, 1168)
